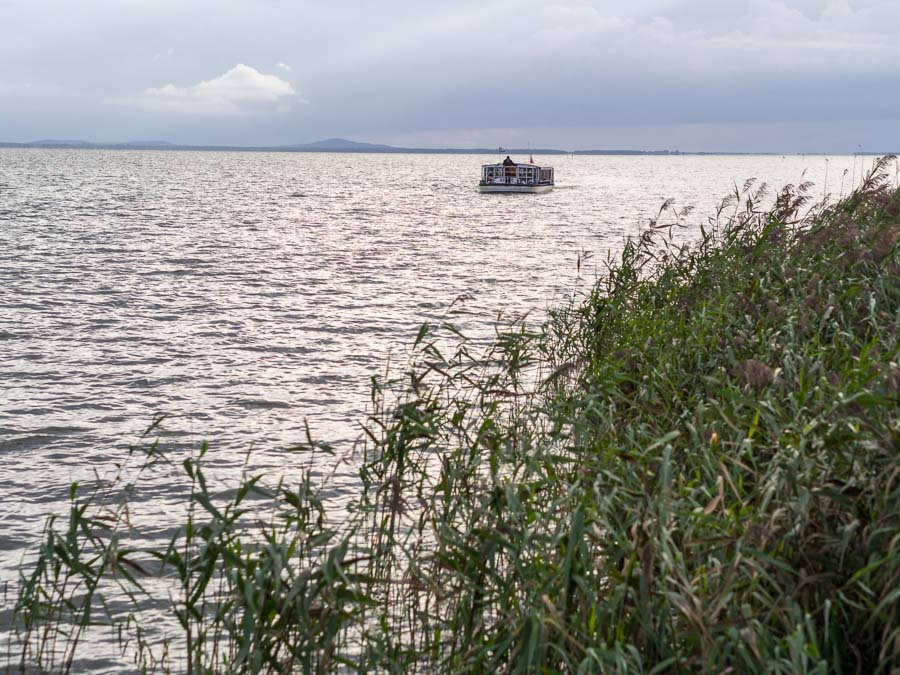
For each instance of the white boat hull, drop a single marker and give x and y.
(500, 187)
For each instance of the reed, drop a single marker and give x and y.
(695, 467)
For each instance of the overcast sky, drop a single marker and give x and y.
(756, 75)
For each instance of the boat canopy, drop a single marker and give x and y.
(516, 174)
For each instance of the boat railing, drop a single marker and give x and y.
(509, 180)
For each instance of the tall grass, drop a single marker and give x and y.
(697, 467)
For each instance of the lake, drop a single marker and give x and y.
(248, 295)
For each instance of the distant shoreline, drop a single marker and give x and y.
(380, 150)
(345, 146)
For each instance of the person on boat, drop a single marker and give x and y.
(507, 163)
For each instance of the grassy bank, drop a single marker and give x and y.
(697, 467)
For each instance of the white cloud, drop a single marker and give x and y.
(283, 66)
(241, 90)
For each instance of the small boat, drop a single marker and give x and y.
(509, 176)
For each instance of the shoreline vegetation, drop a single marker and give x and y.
(694, 468)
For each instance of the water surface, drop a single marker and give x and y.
(246, 295)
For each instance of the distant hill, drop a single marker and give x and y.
(340, 145)
(89, 145)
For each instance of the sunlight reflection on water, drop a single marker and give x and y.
(244, 294)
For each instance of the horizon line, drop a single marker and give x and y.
(342, 145)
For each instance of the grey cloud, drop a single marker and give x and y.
(380, 70)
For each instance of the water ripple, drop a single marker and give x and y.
(246, 294)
